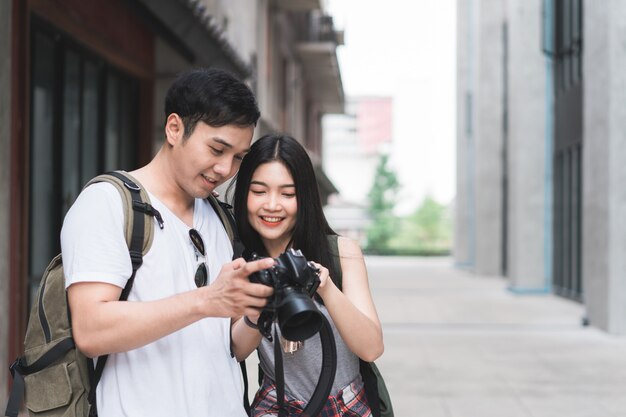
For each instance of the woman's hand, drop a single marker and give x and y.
(326, 282)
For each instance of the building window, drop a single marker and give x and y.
(562, 39)
(83, 122)
(563, 22)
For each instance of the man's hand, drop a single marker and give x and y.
(233, 295)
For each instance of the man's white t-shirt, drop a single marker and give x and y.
(188, 373)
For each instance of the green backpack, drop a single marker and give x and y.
(53, 377)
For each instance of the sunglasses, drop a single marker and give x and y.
(202, 274)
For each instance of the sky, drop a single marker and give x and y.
(407, 50)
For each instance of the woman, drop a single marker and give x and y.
(277, 206)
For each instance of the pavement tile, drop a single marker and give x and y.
(462, 345)
(485, 406)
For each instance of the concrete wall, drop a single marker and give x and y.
(5, 162)
(604, 176)
(479, 191)
(239, 20)
(488, 139)
(481, 137)
(528, 234)
(464, 242)
(282, 90)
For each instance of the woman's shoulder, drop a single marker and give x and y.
(348, 247)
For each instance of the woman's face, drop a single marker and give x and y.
(272, 205)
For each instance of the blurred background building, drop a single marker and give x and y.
(83, 83)
(541, 144)
(353, 143)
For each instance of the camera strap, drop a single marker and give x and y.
(327, 374)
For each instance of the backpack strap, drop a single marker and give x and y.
(139, 233)
(224, 212)
(19, 369)
(134, 198)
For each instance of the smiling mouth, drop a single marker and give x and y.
(208, 180)
(271, 221)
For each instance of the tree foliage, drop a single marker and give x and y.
(382, 199)
(426, 231)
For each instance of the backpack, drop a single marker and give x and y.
(375, 389)
(53, 377)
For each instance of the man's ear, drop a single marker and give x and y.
(174, 129)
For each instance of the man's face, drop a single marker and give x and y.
(208, 157)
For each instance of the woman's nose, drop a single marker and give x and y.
(272, 202)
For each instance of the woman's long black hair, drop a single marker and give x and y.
(311, 229)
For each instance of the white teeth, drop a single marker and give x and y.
(272, 219)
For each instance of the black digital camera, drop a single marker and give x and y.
(295, 281)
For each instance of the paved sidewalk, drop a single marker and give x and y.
(461, 345)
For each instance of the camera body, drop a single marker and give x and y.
(295, 281)
(291, 270)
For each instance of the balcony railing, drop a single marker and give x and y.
(320, 28)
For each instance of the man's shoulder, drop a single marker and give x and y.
(96, 202)
(102, 191)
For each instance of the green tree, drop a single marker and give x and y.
(426, 231)
(434, 226)
(382, 199)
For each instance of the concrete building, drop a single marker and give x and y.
(83, 83)
(540, 145)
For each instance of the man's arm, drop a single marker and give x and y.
(102, 324)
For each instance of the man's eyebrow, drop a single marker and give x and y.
(222, 142)
(228, 145)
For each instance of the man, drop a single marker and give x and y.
(169, 344)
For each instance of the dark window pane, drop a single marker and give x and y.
(128, 105)
(71, 131)
(566, 25)
(89, 160)
(576, 19)
(42, 195)
(70, 142)
(112, 124)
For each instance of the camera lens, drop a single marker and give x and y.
(298, 317)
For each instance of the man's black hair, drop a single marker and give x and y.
(212, 96)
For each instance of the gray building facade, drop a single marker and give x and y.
(540, 146)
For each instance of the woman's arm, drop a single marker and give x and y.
(353, 310)
(245, 338)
